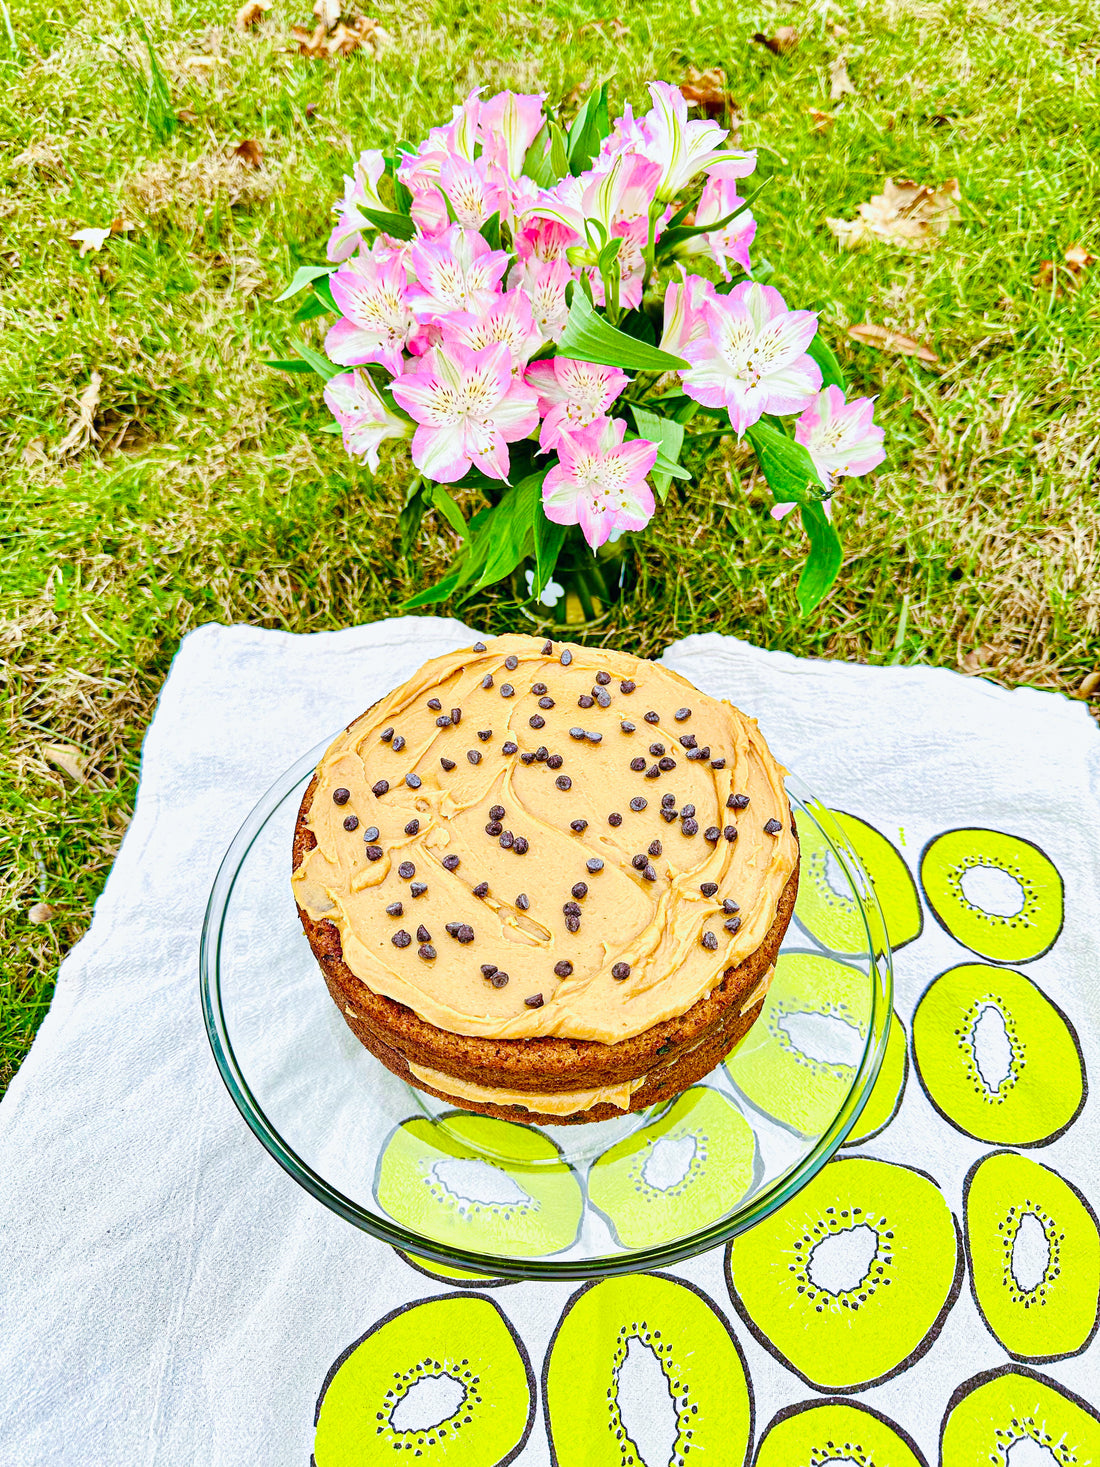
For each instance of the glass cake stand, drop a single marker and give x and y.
(468, 1196)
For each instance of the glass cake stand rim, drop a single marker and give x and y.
(881, 977)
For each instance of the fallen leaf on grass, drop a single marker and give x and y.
(614, 25)
(1075, 261)
(1090, 684)
(784, 40)
(251, 13)
(905, 213)
(40, 913)
(820, 121)
(83, 429)
(347, 37)
(185, 115)
(895, 342)
(69, 760)
(708, 90)
(974, 662)
(34, 453)
(840, 83)
(327, 12)
(250, 152)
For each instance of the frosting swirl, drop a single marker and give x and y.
(531, 839)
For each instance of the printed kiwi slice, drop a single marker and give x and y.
(849, 1282)
(884, 1101)
(836, 1434)
(997, 894)
(996, 1057)
(473, 1182)
(644, 1368)
(826, 909)
(992, 1414)
(682, 1172)
(1034, 1252)
(446, 1380)
(800, 1058)
(462, 1278)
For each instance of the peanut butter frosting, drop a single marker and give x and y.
(533, 838)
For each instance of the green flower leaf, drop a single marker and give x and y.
(588, 130)
(397, 226)
(824, 560)
(787, 466)
(589, 338)
(831, 375)
(668, 435)
(317, 363)
(549, 538)
(449, 509)
(303, 276)
(490, 231)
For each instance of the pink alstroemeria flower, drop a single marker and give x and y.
(719, 200)
(684, 320)
(456, 272)
(360, 189)
(373, 300)
(365, 419)
(508, 124)
(599, 482)
(681, 146)
(469, 407)
(841, 437)
(753, 359)
(539, 239)
(476, 191)
(544, 283)
(510, 321)
(572, 395)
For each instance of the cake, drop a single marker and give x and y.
(547, 882)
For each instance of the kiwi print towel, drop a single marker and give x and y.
(170, 1296)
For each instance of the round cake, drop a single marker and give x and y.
(547, 882)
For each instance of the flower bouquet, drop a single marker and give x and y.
(514, 296)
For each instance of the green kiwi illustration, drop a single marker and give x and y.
(479, 1184)
(1034, 1252)
(997, 894)
(884, 1101)
(446, 1380)
(462, 1278)
(799, 1060)
(682, 1172)
(826, 910)
(996, 1057)
(850, 1281)
(836, 1434)
(645, 1320)
(990, 1414)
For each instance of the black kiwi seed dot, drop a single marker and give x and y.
(351, 822)
(709, 941)
(341, 796)
(386, 735)
(638, 803)
(566, 658)
(652, 717)
(681, 714)
(730, 832)
(451, 863)
(380, 788)
(448, 764)
(564, 968)
(655, 848)
(523, 901)
(413, 827)
(406, 870)
(711, 833)
(395, 909)
(511, 662)
(580, 890)
(708, 888)
(422, 934)
(499, 980)
(401, 938)
(426, 951)
(621, 971)
(374, 853)
(434, 704)
(614, 818)
(563, 782)
(578, 825)
(773, 826)
(535, 1001)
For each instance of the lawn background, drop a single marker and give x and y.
(200, 489)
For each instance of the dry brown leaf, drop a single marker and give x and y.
(820, 121)
(250, 152)
(895, 342)
(784, 40)
(69, 760)
(614, 25)
(905, 213)
(88, 240)
(1090, 684)
(34, 453)
(976, 661)
(40, 913)
(119, 225)
(1078, 258)
(1076, 261)
(187, 116)
(311, 43)
(708, 90)
(840, 83)
(83, 428)
(251, 13)
(327, 13)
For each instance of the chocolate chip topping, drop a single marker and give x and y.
(371, 832)
(731, 924)
(690, 827)
(547, 648)
(652, 717)
(627, 685)
(521, 846)
(523, 901)
(506, 690)
(507, 840)
(657, 749)
(639, 862)
(494, 827)
(395, 909)
(572, 923)
(422, 934)
(593, 737)
(398, 743)
(650, 874)
(448, 764)
(773, 827)
(537, 721)
(578, 825)
(580, 890)
(738, 802)
(555, 761)
(406, 870)
(485, 734)
(426, 951)
(481, 889)
(687, 812)
(667, 764)
(688, 741)
(709, 941)
(653, 772)
(465, 933)
(386, 735)
(413, 781)
(351, 822)
(668, 814)
(479, 647)
(535, 1001)
(511, 662)
(730, 832)
(681, 714)
(508, 747)
(418, 888)
(718, 764)
(627, 727)
(637, 764)
(614, 818)
(341, 796)
(434, 704)
(488, 969)
(487, 680)
(546, 702)
(564, 968)
(538, 688)
(379, 788)
(563, 782)
(401, 938)
(668, 801)
(594, 864)
(474, 756)
(638, 804)
(566, 657)
(603, 678)
(655, 848)
(443, 721)
(621, 971)
(456, 716)
(451, 863)
(571, 909)
(374, 853)
(602, 698)
(499, 979)
(729, 905)
(584, 701)
(708, 888)
(711, 833)
(576, 732)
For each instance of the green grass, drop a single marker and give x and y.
(207, 493)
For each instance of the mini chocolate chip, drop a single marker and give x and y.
(395, 909)
(374, 853)
(418, 888)
(657, 749)
(413, 781)
(422, 934)
(538, 689)
(443, 721)
(614, 818)
(667, 764)
(398, 743)
(489, 969)
(508, 747)
(563, 782)
(535, 1001)
(627, 685)
(718, 764)
(729, 905)
(456, 716)
(731, 924)
(546, 702)
(341, 796)
(668, 814)
(576, 733)
(690, 827)
(621, 971)
(465, 933)
(386, 735)
(652, 717)
(639, 862)
(594, 864)
(708, 888)
(593, 738)
(681, 714)
(474, 756)
(555, 761)
(485, 734)
(566, 658)
(571, 909)
(711, 833)
(627, 727)
(709, 941)
(451, 863)
(506, 690)
(542, 753)
(694, 755)
(479, 646)
(448, 764)
(380, 788)
(511, 663)
(523, 901)
(650, 874)
(655, 848)
(434, 704)
(578, 825)
(584, 701)
(637, 764)
(507, 840)
(667, 801)
(572, 924)
(738, 802)
(653, 772)
(603, 678)
(537, 721)
(401, 938)
(580, 890)
(687, 812)
(548, 647)
(521, 846)
(487, 680)
(602, 698)
(730, 832)
(426, 951)
(638, 804)
(494, 827)
(773, 826)
(564, 968)
(406, 870)
(688, 741)
(351, 822)
(371, 832)
(499, 980)
(481, 889)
